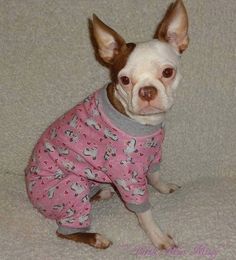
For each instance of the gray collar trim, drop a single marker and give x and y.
(124, 123)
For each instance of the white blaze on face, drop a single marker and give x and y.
(144, 68)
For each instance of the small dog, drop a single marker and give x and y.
(113, 136)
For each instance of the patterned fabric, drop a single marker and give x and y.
(79, 151)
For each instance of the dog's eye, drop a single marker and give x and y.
(124, 80)
(168, 72)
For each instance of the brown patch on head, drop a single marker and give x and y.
(120, 60)
(107, 42)
(112, 51)
(110, 48)
(119, 63)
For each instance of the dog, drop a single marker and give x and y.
(113, 136)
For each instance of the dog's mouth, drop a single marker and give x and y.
(150, 110)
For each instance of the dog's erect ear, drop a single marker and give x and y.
(108, 41)
(174, 27)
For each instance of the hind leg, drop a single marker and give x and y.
(78, 232)
(93, 239)
(96, 240)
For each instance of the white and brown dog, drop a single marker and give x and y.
(144, 79)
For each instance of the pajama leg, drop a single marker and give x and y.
(65, 200)
(64, 228)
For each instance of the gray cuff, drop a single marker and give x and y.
(139, 208)
(69, 231)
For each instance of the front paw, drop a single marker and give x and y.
(163, 242)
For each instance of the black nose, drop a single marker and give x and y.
(147, 93)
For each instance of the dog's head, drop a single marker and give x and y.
(145, 75)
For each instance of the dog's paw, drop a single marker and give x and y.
(164, 242)
(93, 239)
(104, 194)
(166, 188)
(101, 242)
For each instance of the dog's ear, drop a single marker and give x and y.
(109, 42)
(174, 27)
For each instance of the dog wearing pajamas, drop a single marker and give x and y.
(114, 136)
(90, 145)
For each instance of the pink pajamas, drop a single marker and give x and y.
(91, 144)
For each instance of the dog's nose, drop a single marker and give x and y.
(147, 93)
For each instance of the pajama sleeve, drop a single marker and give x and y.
(134, 193)
(155, 164)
